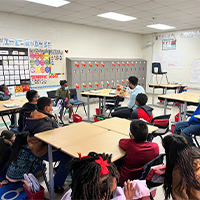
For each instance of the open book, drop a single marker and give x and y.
(121, 91)
(10, 105)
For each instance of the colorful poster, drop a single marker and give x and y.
(168, 44)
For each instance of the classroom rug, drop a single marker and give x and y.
(12, 191)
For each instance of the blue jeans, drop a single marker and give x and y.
(62, 171)
(187, 130)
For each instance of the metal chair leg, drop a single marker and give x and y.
(44, 175)
(161, 79)
(84, 109)
(4, 122)
(76, 109)
(167, 79)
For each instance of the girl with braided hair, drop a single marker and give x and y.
(95, 177)
(6, 142)
(182, 175)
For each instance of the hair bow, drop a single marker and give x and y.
(104, 164)
(79, 155)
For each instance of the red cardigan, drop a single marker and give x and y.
(137, 155)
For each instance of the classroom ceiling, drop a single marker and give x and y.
(183, 14)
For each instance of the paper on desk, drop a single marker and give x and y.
(10, 105)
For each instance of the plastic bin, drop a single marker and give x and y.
(97, 111)
(172, 128)
(176, 118)
(77, 118)
(34, 196)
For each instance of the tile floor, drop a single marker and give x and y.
(157, 111)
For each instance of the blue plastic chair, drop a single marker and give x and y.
(75, 100)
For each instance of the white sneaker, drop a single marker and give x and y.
(70, 120)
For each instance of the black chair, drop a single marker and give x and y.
(162, 122)
(156, 70)
(159, 160)
(75, 101)
(52, 94)
(111, 107)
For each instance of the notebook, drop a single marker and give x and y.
(10, 105)
(112, 92)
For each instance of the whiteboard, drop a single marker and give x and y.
(169, 59)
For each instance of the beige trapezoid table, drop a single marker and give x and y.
(97, 94)
(120, 125)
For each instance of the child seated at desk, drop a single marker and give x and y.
(27, 108)
(138, 151)
(5, 95)
(142, 111)
(42, 120)
(95, 177)
(189, 128)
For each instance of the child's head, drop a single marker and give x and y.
(8, 135)
(179, 152)
(3, 88)
(32, 96)
(141, 99)
(133, 81)
(93, 177)
(138, 130)
(45, 104)
(64, 85)
(174, 146)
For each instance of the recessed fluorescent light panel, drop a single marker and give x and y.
(116, 16)
(53, 3)
(160, 26)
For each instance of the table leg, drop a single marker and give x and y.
(100, 105)
(165, 106)
(185, 109)
(15, 119)
(104, 106)
(180, 113)
(88, 101)
(51, 181)
(153, 97)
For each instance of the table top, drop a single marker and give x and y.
(19, 102)
(166, 85)
(184, 96)
(120, 125)
(197, 116)
(68, 135)
(102, 93)
(106, 142)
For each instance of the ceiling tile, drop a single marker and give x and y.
(39, 7)
(169, 2)
(67, 19)
(7, 8)
(23, 11)
(61, 11)
(47, 15)
(111, 6)
(92, 3)
(184, 5)
(18, 3)
(93, 11)
(131, 2)
(75, 7)
(79, 15)
(128, 11)
(148, 6)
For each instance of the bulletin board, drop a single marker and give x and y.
(46, 68)
(14, 68)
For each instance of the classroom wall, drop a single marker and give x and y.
(81, 41)
(191, 50)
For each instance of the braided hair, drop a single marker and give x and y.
(179, 153)
(87, 181)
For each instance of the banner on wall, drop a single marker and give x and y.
(46, 67)
(190, 34)
(168, 44)
(13, 42)
(165, 36)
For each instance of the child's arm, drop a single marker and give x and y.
(123, 143)
(4, 97)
